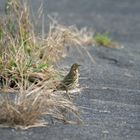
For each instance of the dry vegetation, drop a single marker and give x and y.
(27, 108)
(26, 69)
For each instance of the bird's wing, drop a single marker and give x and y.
(67, 80)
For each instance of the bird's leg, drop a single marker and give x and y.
(68, 94)
(52, 120)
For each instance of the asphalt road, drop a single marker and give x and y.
(112, 99)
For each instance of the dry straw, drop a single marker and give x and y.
(26, 67)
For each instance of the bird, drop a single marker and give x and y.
(71, 80)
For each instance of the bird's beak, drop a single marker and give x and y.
(79, 65)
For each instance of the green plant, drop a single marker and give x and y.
(105, 40)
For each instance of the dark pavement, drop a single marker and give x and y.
(112, 100)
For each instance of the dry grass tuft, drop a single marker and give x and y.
(28, 107)
(23, 54)
(26, 68)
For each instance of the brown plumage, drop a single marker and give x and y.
(70, 81)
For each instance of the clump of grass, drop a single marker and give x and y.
(104, 40)
(23, 53)
(27, 108)
(26, 66)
